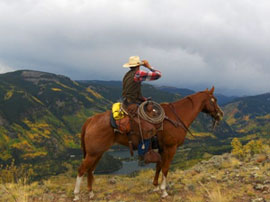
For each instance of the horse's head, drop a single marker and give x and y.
(211, 107)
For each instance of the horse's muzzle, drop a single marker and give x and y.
(217, 118)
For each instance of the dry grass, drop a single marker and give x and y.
(20, 191)
(211, 185)
(182, 186)
(215, 195)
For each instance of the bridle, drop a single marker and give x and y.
(217, 117)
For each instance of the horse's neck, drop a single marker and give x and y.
(189, 108)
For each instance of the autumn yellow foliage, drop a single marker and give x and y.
(9, 94)
(249, 149)
(97, 95)
(56, 89)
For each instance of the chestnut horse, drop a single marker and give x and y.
(98, 136)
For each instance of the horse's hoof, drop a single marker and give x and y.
(76, 198)
(156, 189)
(91, 195)
(164, 194)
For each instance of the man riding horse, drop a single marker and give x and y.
(97, 136)
(132, 95)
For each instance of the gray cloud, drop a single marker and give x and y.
(194, 43)
(4, 68)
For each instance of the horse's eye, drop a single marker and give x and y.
(212, 99)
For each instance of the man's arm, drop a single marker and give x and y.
(147, 76)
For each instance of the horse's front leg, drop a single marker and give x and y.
(155, 182)
(168, 154)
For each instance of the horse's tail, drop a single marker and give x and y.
(83, 135)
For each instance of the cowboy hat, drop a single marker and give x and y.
(133, 62)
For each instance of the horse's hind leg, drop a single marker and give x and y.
(90, 177)
(85, 166)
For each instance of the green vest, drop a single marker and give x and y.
(131, 89)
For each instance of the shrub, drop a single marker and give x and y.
(237, 148)
(253, 147)
(12, 174)
(249, 149)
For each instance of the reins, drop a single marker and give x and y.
(179, 119)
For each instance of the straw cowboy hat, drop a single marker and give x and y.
(133, 62)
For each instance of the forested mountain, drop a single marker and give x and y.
(112, 90)
(41, 115)
(250, 116)
(222, 99)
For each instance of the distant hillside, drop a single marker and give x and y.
(112, 90)
(250, 115)
(41, 115)
(222, 99)
(181, 91)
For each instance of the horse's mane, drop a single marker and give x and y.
(188, 97)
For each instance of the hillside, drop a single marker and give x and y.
(41, 115)
(222, 99)
(112, 90)
(249, 116)
(222, 178)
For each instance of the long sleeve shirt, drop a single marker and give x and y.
(142, 75)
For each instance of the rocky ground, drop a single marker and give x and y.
(222, 178)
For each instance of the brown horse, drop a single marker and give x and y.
(98, 136)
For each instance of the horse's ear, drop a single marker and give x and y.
(212, 90)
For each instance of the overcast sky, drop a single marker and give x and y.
(194, 43)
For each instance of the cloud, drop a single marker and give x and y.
(194, 43)
(4, 68)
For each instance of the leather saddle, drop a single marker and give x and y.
(132, 122)
(136, 128)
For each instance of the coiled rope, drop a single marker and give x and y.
(154, 120)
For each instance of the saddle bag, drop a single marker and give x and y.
(117, 112)
(152, 157)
